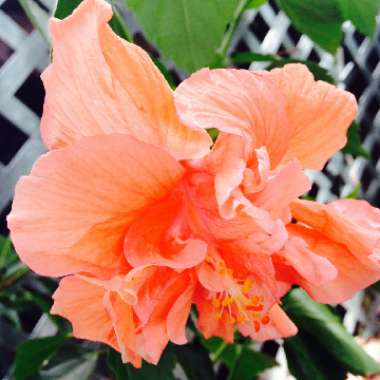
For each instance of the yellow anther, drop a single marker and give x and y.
(227, 300)
(232, 320)
(216, 302)
(219, 314)
(209, 259)
(247, 285)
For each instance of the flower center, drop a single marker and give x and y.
(238, 303)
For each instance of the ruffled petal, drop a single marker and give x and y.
(100, 84)
(319, 115)
(227, 161)
(353, 223)
(313, 268)
(352, 275)
(281, 189)
(238, 102)
(81, 302)
(161, 236)
(72, 212)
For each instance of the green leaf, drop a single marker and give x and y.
(322, 325)
(255, 4)
(319, 72)
(354, 145)
(361, 13)
(306, 361)
(7, 253)
(195, 361)
(64, 8)
(79, 368)
(37, 16)
(177, 28)
(162, 371)
(320, 19)
(117, 367)
(32, 354)
(249, 364)
(243, 362)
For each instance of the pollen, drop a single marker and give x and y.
(247, 285)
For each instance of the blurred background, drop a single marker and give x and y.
(264, 30)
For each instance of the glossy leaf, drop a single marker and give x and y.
(177, 28)
(354, 145)
(361, 13)
(32, 354)
(249, 364)
(117, 367)
(255, 3)
(325, 327)
(64, 8)
(81, 368)
(308, 361)
(162, 371)
(195, 361)
(320, 19)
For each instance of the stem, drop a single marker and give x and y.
(8, 281)
(227, 38)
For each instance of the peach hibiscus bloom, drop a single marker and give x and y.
(143, 217)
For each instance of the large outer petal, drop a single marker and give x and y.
(352, 274)
(354, 223)
(81, 302)
(101, 84)
(237, 102)
(72, 212)
(319, 115)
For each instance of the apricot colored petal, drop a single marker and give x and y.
(210, 279)
(352, 274)
(210, 324)
(81, 302)
(162, 237)
(354, 223)
(100, 84)
(315, 269)
(72, 212)
(178, 316)
(121, 315)
(165, 298)
(228, 160)
(279, 326)
(283, 188)
(319, 115)
(238, 102)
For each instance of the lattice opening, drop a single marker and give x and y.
(11, 140)
(13, 9)
(31, 93)
(5, 52)
(373, 59)
(3, 223)
(259, 27)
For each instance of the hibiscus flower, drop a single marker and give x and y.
(142, 216)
